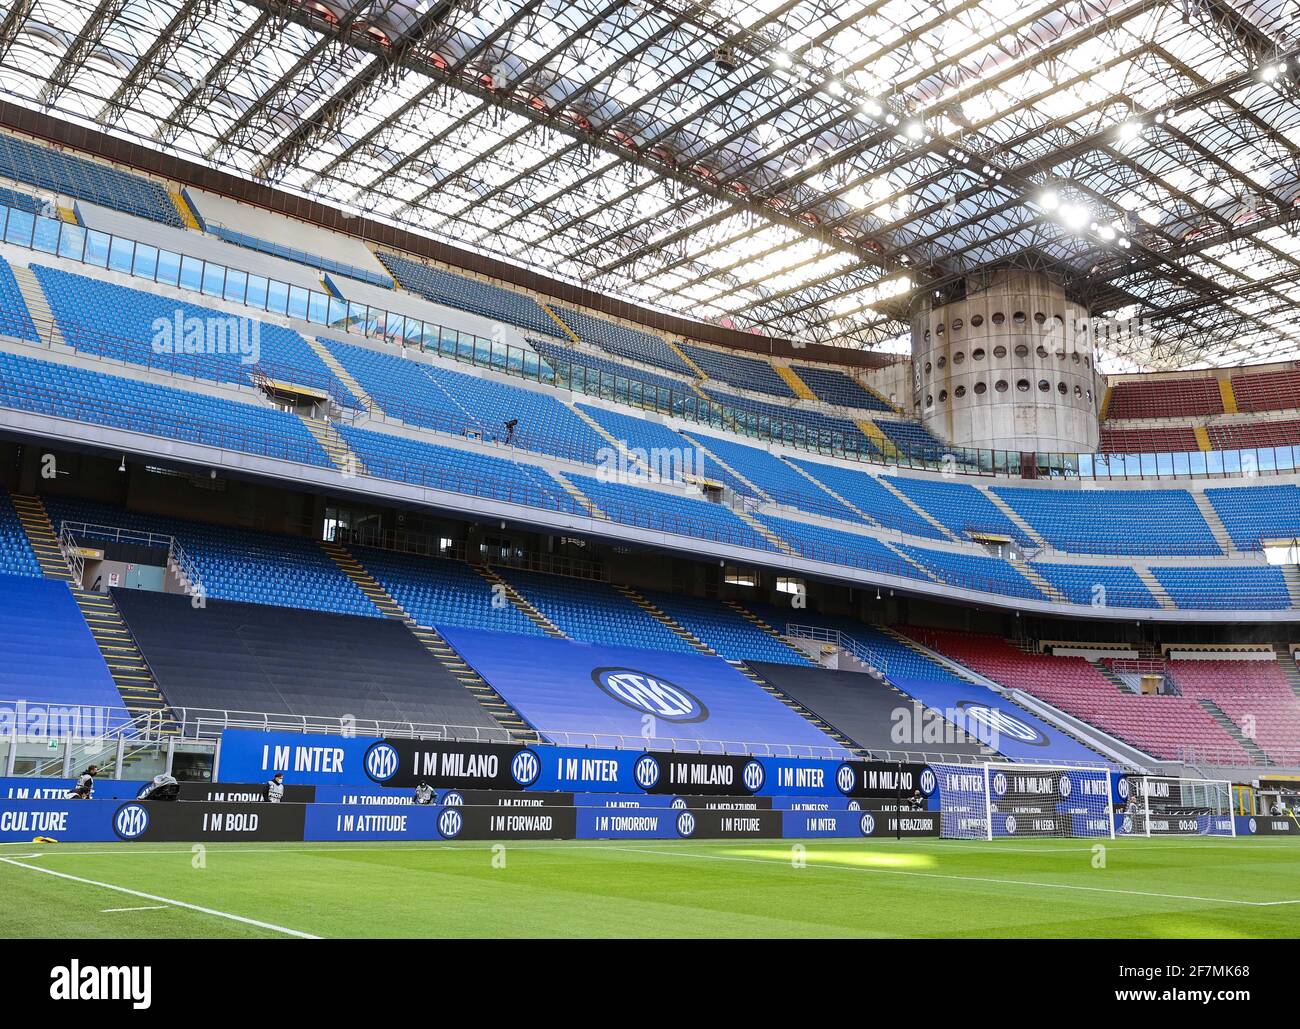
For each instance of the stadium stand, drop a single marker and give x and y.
(799, 426)
(971, 571)
(837, 546)
(15, 320)
(724, 629)
(1257, 513)
(83, 179)
(913, 439)
(245, 657)
(1109, 521)
(963, 508)
(47, 653)
(317, 261)
(16, 556)
(623, 341)
(1104, 585)
(775, 478)
(835, 387)
(1250, 435)
(466, 294)
(1241, 587)
(866, 493)
(125, 324)
(1255, 695)
(66, 391)
(1175, 440)
(237, 564)
(21, 202)
(739, 371)
(603, 377)
(1171, 398)
(1267, 391)
(1165, 727)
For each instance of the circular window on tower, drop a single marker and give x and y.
(957, 323)
(1022, 350)
(1022, 385)
(1039, 317)
(976, 320)
(1018, 317)
(999, 351)
(959, 357)
(999, 318)
(942, 362)
(1041, 351)
(1044, 386)
(929, 400)
(977, 354)
(1061, 388)
(1001, 387)
(980, 389)
(939, 331)
(959, 392)
(928, 368)
(943, 396)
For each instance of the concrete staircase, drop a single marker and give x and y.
(126, 664)
(1015, 518)
(791, 378)
(489, 699)
(1111, 676)
(1032, 574)
(1153, 584)
(876, 435)
(1290, 668)
(699, 441)
(1257, 755)
(820, 487)
(1213, 520)
(503, 588)
(335, 447)
(39, 308)
(342, 374)
(1291, 576)
(762, 530)
(41, 537)
(749, 616)
(658, 615)
(581, 499)
(916, 508)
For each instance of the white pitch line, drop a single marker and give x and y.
(964, 878)
(146, 907)
(162, 900)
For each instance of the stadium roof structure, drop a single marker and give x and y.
(803, 168)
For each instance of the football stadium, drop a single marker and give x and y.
(620, 468)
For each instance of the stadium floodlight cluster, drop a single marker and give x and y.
(1010, 801)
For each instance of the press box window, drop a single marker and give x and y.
(736, 577)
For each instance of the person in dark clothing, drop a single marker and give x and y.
(916, 802)
(85, 787)
(510, 430)
(275, 788)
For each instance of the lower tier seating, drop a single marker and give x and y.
(244, 657)
(724, 629)
(16, 556)
(47, 652)
(1243, 588)
(1256, 695)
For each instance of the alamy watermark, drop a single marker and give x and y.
(218, 335)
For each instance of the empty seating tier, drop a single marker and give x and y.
(615, 380)
(1267, 391)
(965, 510)
(1250, 435)
(1255, 695)
(1167, 398)
(724, 629)
(739, 371)
(1240, 587)
(671, 457)
(776, 478)
(835, 387)
(623, 341)
(15, 319)
(868, 495)
(1097, 585)
(973, 572)
(16, 556)
(1257, 513)
(243, 657)
(1177, 440)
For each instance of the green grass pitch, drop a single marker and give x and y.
(1181, 887)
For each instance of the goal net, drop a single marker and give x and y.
(1010, 801)
(1155, 805)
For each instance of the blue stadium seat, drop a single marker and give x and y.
(457, 471)
(1224, 588)
(1107, 585)
(1252, 514)
(66, 391)
(866, 493)
(913, 439)
(594, 612)
(1114, 521)
(729, 633)
(84, 179)
(959, 506)
(675, 451)
(47, 654)
(624, 341)
(125, 324)
(800, 426)
(238, 564)
(836, 546)
(615, 380)
(835, 387)
(974, 572)
(737, 370)
(287, 253)
(16, 556)
(15, 319)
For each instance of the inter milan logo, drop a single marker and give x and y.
(131, 821)
(854, 806)
(452, 799)
(1123, 787)
(867, 823)
(646, 772)
(650, 694)
(752, 776)
(927, 781)
(450, 823)
(525, 767)
(1001, 724)
(1252, 826)
(1065, 786)
(381, 761)
(999, 783)
(846, 778)
(678, 804)
(1128, 823)
(686, 824)
(1011, 825)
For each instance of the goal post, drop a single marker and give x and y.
(1161, 805)
(1005, 800)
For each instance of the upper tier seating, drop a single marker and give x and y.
(677, 458)
(1162, 726)
(1111, 521)
(1176, 440)
(1254, 694)
(458, 471)
(913, 439)
(775, 478)
(1102, 585)
(868, 495)
(1267, 391)
(288, 253)
(837, 546)
(835, 387)
(1172, 398)
(124, 324)
(623, 341)
(975, 572)
(1250, 435)
(740, 371)
(47, 654)
(473, 295)
(963, 508)
(15, 319)
(795, 425)
(21, 202)
(237, 564)
(670, 511)
(615, 380)
(1256, 513)
(243, 657)
(595, 612)
(437, 591)
(1239, 587)
(84, 179)
(728, 632)
(16, 557)
(438, 398)
(65, 391)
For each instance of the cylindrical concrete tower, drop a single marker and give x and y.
(1010, 367)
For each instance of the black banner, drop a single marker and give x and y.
(715, 825)
(699, 774)
(883, 779)
(242, 793)
(147, 821)
(470, 766)
(912, 823)
(508, 822)
(498, 798)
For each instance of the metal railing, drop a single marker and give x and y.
(879, 663)
(72, 532)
